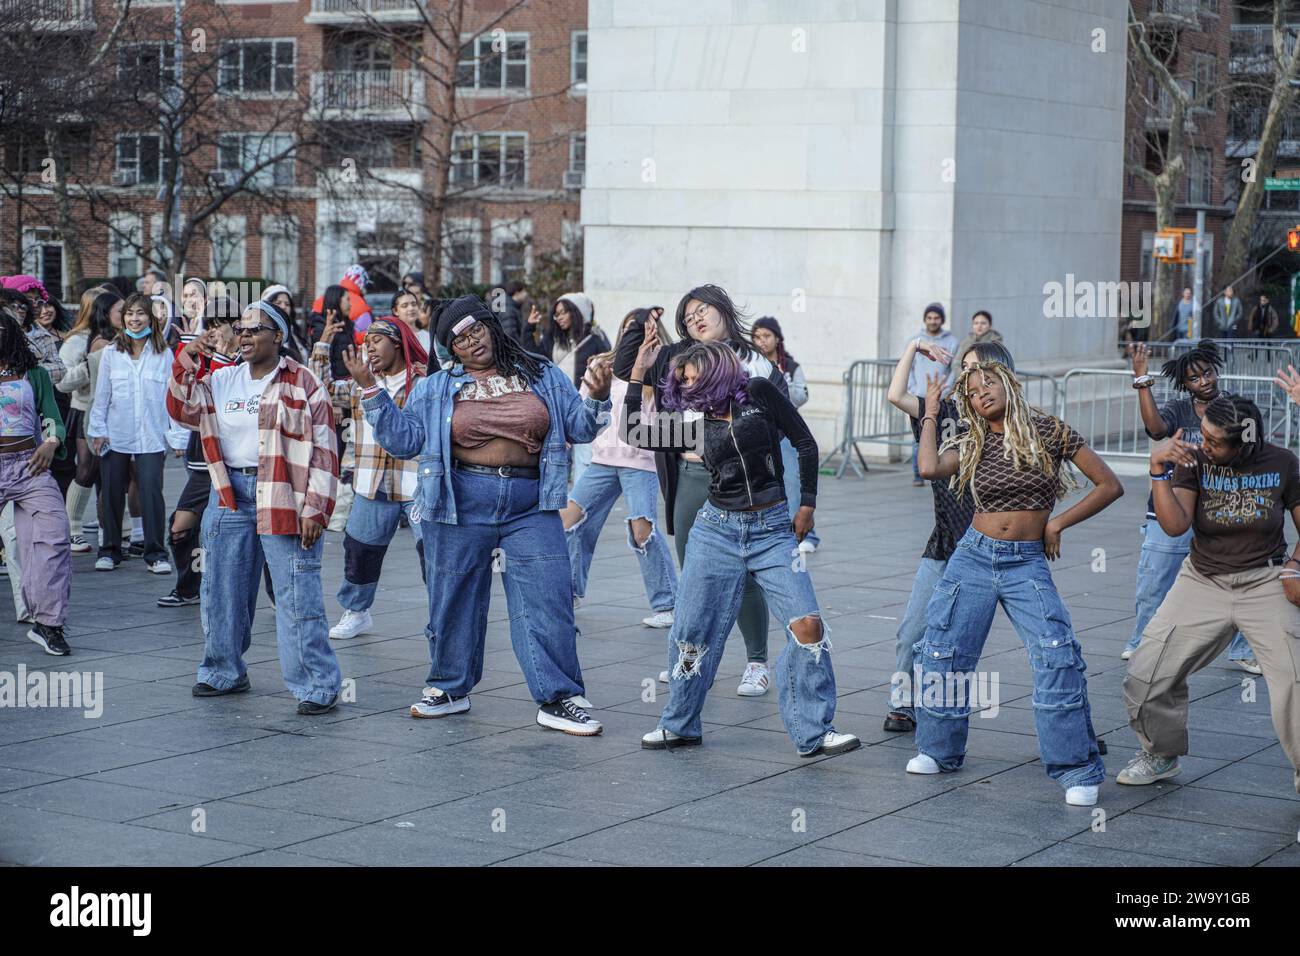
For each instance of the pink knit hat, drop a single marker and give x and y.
(25, 284)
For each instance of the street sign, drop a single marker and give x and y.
(1278, 183)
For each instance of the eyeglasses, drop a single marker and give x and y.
(475, 334)
(254, 329)
(699, 313)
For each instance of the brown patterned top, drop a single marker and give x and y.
(999, 486)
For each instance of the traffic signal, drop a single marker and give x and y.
(1293, 239)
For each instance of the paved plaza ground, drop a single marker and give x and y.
(368, 785)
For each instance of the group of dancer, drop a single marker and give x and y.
(505, 451)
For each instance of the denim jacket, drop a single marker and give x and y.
(422, 427)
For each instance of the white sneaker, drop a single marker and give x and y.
(105, 564)
(660, 739)
(351, 624)
(79, 544)
(1082, 796)
(922, 763)
(832, 744)
(160, 567)
(754, 682)
(1147, 768)
(435, 703)
(659, 619)
(1250, 667)
(663, 677)
(1126, 653)
(807, 547)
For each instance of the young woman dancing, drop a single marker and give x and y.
(619, 469)
(705, 314)
(1010, 461)
(1236, 491)
(490, 435)
(384, 485)
(1194, 373)
(742, 532)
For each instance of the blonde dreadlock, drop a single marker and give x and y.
(1021, 443)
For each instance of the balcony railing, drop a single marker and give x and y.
(1174, 13)
(368, 94)
(336, 11)
(1247, 125)
(1252, 48)
(49, 14)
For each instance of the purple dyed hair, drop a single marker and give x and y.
(720, 379)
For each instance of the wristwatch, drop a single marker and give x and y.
(1144, 381)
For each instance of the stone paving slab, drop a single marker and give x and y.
(368, 785)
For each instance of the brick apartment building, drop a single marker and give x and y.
(1200, 34)
(360, 194)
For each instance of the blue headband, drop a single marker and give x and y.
(274, 315)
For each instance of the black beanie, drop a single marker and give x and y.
(771, 324)
(467, 306)
(935, 307)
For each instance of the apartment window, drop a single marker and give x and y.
(1209, 6)
(138, 159)
(578, 60)
(578, 152)
(240, 152)
(365, 55)
(146, 67)
(571, 239)
(280, 250)
(367, 152)
(511, 250)
(1205, 73)
(460, 244)
(490, 159)
(228, 237)
(43, 258)
(1200, 177)
(491, 62)
(256, 67)
(125, 240)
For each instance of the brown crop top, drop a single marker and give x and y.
(1000, 486)
(493, 406)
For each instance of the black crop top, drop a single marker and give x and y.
(743, 455)
(1000, 486)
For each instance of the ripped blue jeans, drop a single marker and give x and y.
(595, 492)
(723, 548)
(982, 573)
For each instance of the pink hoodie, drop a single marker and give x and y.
(607, 448)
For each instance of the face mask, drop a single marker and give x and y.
(142, 334)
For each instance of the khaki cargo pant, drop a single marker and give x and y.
(1195, 623)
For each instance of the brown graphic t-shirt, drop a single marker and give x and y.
(1241, 513)
(498, 406)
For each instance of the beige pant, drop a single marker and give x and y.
(1195, 623)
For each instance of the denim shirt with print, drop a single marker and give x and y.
(422, 427)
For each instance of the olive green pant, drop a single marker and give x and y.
(692, 492)
(1195, 623)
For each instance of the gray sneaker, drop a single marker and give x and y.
(1147, 768)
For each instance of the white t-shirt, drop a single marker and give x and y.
(237, 397)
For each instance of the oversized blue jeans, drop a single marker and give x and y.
(982, 573)
(499, 529)
(790, 468)
(911, 629)
(233, 555)
(372, 522)
(595, 492)
(1158, 566)
(723, 547)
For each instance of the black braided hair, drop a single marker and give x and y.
(510, 355)
(1240, 418)
(16, 354)
(1205, 352)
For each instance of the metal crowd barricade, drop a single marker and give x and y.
(1102, 406)
(870, 418)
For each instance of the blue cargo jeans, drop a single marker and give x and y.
(982, 573)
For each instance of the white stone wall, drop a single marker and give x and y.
(793, 152)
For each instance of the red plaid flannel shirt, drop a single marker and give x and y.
(298, 462)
